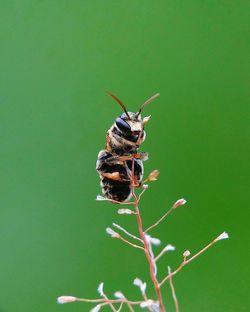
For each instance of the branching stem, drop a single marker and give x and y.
(159, 221)
(146, 247)
(112, 301)
(173, 292)
(126, 232)
(129, 243)
(185, 262)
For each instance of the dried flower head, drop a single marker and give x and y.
(179, 202)
(66, 299)
(186, 253)
(96, 308)
(112, 233)
(147, 303)
(223, 235)
(153, 175)
(125, 211)
(152, 240)
(100, 197)
(140, 284)
(100, 289)
(169, 247)
(119, 295)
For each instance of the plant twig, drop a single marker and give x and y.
(65, 299)
(120, 308)
(160, 254)
(142, 192)
(159, 221)
(129, 243)
(126, 232)
(109, 303)
(185, 262)
(173, 291)
(130, 307)
(146, 250)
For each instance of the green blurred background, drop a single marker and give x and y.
(58, 58)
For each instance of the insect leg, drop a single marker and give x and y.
(113, 159)
(108, 167)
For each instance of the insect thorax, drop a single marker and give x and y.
(121, 143)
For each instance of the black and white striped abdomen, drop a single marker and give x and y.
(118, 189)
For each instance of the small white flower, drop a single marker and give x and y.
(137, 282)
(179, 202)
(112, 233)
(140, 284)
(100, 289)
(147, 303)
(223, 235)
(145, 186)
(155, 307)
(96, 308)
(169, 247)
(152, 240)
(119, 295)
(66, 299)
(186, 253)
(125, 211)
(100, 197)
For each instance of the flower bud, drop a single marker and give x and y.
(147, 303)
(186, 253)
(96, 308)
(119, 295)
(66, 299)
(100, 289)
(112, 233)
(140, 284)
(100, 197)
(169, 247)
(179, 202)
(153, 175)
(152, 240)
(125, 211)
(223, 235)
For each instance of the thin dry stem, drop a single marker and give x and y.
(113, 301)
(126, 232)
(142, 192)
(160, 254)
(131, 309)
(109, 303)
(120, 308)
(120, 203)
(146, 299)
(129, 243)
(159, 221)
(173, 292)
(185, 262)
(146, 248)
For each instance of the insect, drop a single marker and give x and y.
(120, 157)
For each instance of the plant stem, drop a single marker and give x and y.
(185, 262)
(159, 221)
(146, 250)
(173, 292)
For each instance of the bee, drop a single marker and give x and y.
(120, 159)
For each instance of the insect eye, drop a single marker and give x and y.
(122, 125)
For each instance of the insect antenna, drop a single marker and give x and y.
(122, 105)
(145, 103)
